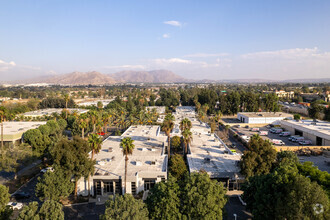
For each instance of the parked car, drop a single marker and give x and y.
(278, 131)
(47, 169)
(15, 205)
(293, 137)
(278, 142)
(263, 133)
(298, 139)
(21, 195)
(254, 129)
(285, 133)
(305, 142)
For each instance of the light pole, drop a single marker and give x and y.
(235, 216)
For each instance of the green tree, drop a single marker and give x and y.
(54, 186)
(203, 198)
(29, 212)
(128, 147)
(49, 210)
(66, 99)
(176, 143)
(284, 194)
(177, 166)
(185, 124)
(5, 212)
(163, 200)
(95, 143)
(124, 207)
(72, 157)
(296, 116)
(167, 127)
(35, 138)
(187, 139)
(259, 159)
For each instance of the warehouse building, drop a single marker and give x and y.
(49, 111)
(208, 153)
(13, 131)
(262, 117)
(316, 131)
(146, 166)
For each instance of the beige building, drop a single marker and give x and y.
(318, 132)
(13, 131)
(146, 166)
(262, 117)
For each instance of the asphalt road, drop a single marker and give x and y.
(234, 206)
(29, 188)
(88, 211)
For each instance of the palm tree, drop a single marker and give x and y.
(105, 120)
(94, 117)
(187, 139)
(141, 118)
(66, 98)
(218, 116)
(185, 124)
(95, 142)
(128, 147)
(169, 117)
(167, 127)
(83, 123)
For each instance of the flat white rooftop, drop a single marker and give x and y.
(142, 131)
(14, 130)
(148, 159)
(318, 128)
(94, 102)
(207, 151)
(49, 111)
(265, 114)
(159, 109)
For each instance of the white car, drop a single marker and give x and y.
(15, 205)
(47, 169)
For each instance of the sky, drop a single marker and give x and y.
(202, 39)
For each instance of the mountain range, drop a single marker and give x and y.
(154, 76)
(97, 78)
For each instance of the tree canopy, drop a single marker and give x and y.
(54, 186)
(49, 210)
(259, 159)
(124, 207)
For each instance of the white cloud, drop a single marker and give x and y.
(173, 23)
(126, 67)
(166, 35)
(4, 66)
(287, 54)
(204, 55)
(171, 61)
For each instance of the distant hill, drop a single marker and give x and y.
(154, 76)
(313, 80)
(76, 78)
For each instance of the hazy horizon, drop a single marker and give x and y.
(214, 40)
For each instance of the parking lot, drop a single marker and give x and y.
(245, 131)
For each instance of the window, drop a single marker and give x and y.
(118, 187)
(133, 187)
(149, 183)
(108, 187)
(97, 188)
